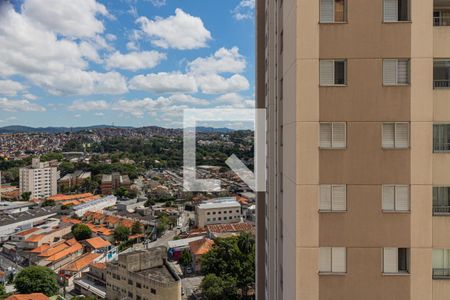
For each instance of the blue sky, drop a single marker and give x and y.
(127, 62)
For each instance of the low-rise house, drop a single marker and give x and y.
(49, 237)
(176, 247)
(198, 249)
(227, 230)
(74, 269)
(142, 274)
(95, 205)
(57, 255)
(114, 181)
(73, 179)
(34, 296)
(24, 234)
(97, 245)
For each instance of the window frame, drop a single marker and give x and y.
(345, 21)
(396, 84)
(398, 272)
(383, 19)
(331, 186)
(395, 147)
(334, 84)
(395, 210)
(331, 272)
(332, 147)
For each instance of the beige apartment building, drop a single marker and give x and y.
(357, 94)
(218, 211)
(40, 179)
(142, 275)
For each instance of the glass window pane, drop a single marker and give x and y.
(339, 72)
(339, 12)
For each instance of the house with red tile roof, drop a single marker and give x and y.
(81, 264)
(35, 240)
(97, 244)
(57, 255)
(198, 249)
(34, 296)
(232, 229)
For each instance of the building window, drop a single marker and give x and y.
(333, 72)
(395, 135)
(441, 73)
(332, 260)
(333, 197)
(395, 198)
(333, 11)
(138, 285)
(396, 10)
(208, 219)
(153, 291)
(441, 263)
(224, 218)
(208, 213)
(130, 282)
(395, 260)
(441, 200)
(441, 137)
(130, 295)
(333, 135)
(396, 71)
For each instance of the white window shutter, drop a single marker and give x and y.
(325, 259)
(390, 71)
(388, 197)
(390, 10)
(339, 136)
(327, 72)
(390, 260)
(403, 72)
(339, 202)
(325, 197)
(388, 135)
(401, 135)
(325, 135)
(402, 198)
(326, 11)
(339, 260)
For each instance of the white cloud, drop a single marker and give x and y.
(223, 61)
(244, 10)
(89, 105)
(52, 62)
(134, 61)
(216, 84)
(99, 114)
(164, 83)
(181, 31)
(10, 87)
(158, 3)
(67, 17)
(234, 100)
(19, 105)
(29, 96)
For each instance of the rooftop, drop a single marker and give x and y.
(219, 203)
(159, 274)
(232, 227)
(201, 247)
(97, 242)
(62, 197)
(81, 263)
(34, 296)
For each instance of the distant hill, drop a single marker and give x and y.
(26, 129)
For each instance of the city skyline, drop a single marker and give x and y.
(120, 63)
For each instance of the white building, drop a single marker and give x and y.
(218, 211)
(96, 205)
(40, 179)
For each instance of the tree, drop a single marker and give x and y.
(163, 224)
(25, 196)
(81, 232)
(121, 233)
(137, 228)
(185, 258)
(232, 257)
(2, 291)
(217, 288)
(48, 203)
(36, 279)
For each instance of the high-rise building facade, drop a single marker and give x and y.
(40, 179)
(357, 94)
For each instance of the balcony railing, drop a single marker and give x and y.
(441, 83)
(441, 210)
(441, 273)
(441, 21)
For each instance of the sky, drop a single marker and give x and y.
(123, 62)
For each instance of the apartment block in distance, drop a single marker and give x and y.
(218, 211)
(357, 94)
(40, 179)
